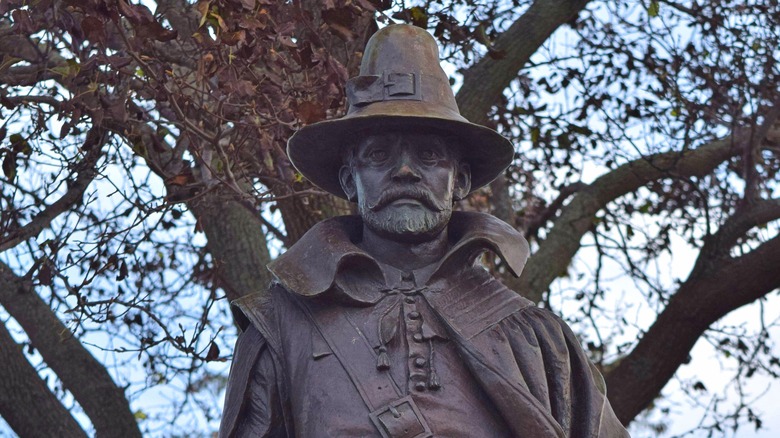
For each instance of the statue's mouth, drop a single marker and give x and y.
(407, 196)
(408, 202)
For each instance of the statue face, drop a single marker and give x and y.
(404, 184)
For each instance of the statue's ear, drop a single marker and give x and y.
(347, 180)
(462, 181)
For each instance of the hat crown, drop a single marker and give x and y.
(401, 62)
(400, 47)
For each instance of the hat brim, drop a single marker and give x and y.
(317, 150)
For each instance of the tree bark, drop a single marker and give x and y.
(236, 242)
(26, 403)
(639, 377)
(87, 379)
(301, 213)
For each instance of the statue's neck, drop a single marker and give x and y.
(405, 255)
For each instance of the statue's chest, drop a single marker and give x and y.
(354, 361)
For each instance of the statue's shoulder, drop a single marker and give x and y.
(250, 307)
(264, 311)
(518, 311)
(540, 320)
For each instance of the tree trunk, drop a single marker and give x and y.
(236, 242)
(25, 401)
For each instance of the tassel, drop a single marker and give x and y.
(388, 327)
(433, 380)
(382, 361)
(433, 376)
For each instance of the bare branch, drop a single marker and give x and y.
(86, 173)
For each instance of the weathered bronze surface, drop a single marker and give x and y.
(385, 324)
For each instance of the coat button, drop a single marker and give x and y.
(418, 337)
(419, 362)
(409, 300)
(420, 386)
(414, 315)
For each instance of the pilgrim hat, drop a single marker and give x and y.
(401, 86)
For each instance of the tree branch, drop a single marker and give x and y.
(26, 403)
(484, 81)
(746, 217)
(535, 223)
(703, 299)
(562, 242)
(85, 377)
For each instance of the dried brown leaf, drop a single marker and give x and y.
(233, 38)
(310, 112)
(94, 29)
(213, 353)
(136, 14)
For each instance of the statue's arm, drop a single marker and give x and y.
(252, 402)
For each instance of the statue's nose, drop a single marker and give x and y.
(405, 170)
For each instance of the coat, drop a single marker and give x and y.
(490, 362)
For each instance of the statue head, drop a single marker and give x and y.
(403, 152)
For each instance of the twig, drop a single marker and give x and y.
(75, 192)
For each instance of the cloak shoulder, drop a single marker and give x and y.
(558, 373)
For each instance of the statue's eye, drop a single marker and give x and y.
(430, 154)
(377, 155)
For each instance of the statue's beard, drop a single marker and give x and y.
(419, 223)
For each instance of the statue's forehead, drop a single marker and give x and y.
(399, 136)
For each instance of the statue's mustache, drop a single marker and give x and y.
(395, 193)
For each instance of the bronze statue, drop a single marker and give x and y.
(385, 324)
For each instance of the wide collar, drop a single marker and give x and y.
(326, 256)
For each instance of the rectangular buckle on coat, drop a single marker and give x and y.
(401, 419)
